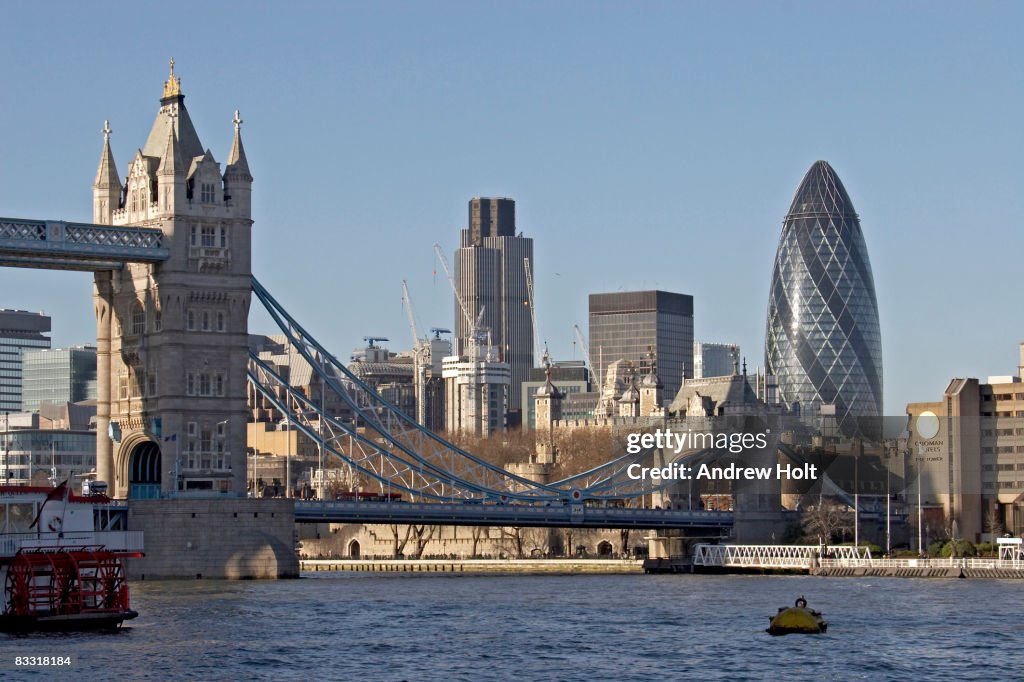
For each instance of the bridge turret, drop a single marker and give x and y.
(237, 178)
(170, 176)
(106, 189)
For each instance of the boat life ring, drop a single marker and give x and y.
(801, 603)
(56, 524)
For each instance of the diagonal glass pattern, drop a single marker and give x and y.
(822, 339)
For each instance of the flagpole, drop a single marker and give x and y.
(64, 511)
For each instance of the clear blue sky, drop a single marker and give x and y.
(646, 145)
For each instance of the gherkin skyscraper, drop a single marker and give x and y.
(822, 340)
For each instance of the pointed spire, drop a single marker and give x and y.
(171, 162)
(106, 174)
(237, 163)
(172, 86)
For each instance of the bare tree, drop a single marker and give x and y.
(399, 540)
(423, 535)
(583, 449)
(538, 540)
(478, 534)
(994, 524)
(511, 541)
(826, 523)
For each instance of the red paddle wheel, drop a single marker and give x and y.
(66, 587)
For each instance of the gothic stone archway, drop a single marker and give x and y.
(144, 471)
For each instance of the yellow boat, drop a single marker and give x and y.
(797, 619)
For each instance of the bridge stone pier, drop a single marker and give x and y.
(172, 337)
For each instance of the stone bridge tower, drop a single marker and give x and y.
(172, 338)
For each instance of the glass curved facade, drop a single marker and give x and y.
(822, 340)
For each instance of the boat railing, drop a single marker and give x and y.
(114, 540)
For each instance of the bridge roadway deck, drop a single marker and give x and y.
(464, 514)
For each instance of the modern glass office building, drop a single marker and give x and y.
(58, 375)
(822, 340)
(632, 324)
(20, 330)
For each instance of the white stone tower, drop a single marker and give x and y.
(173, 338)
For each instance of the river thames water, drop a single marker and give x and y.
(344, 626)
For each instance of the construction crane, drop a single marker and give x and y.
(421, 357)
(533, 310)
(479, 339)
(594, 373)
(451, 281)
(479, 336)
(371, 340)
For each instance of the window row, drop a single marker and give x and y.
(206, 320)
(204, 384)
(204, 447)
(136, 382)
(138, 199)
(209, 236)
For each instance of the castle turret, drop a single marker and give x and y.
(106, 189)
(629, 401)
(548, 409)
(651, 391)
(651, 395)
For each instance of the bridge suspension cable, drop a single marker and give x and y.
(395, 449)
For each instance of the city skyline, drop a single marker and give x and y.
(585, 141)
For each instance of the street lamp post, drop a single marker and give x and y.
(220, 446)
(7, 444)
(888, 514)
(177, 466)
(856, 500)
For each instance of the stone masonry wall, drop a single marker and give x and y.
(214, 538)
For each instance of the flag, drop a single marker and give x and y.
(62, 491)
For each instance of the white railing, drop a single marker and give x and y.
(771, 556)
(114, 540)
(809, 556)
(946, 562)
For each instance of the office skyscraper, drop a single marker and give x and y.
(490, 275)
(822, 341)
(20, 330)
(623, 326)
